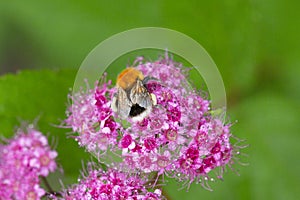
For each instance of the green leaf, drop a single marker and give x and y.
(41, 96)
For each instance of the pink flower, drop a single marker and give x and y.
(23, 159)
(43, 161)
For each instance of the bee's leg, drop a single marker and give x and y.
(114, 104)
(154, 99)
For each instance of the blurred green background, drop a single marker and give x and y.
(255, 45)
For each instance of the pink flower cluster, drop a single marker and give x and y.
(22, 160)
(180, 138)
(111, 184)
(91, 117)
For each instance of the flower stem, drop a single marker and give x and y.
(50, 192)
(48, 186)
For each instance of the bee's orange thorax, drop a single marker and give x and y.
(128, 77)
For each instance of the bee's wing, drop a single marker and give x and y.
(140, 95)
(122, 103)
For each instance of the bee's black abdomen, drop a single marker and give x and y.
(135, 110)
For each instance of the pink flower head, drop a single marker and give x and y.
(111, 184)
(179, 138)
(23, 159)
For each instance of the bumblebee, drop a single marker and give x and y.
(132, 99)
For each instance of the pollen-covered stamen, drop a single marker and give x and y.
(145, 162)
(186, 163)
(201, 137)
(156, 123)
(163, 161)
(167, 96)
(171, 134)
(44, 160)
(31, 196)
(103, 140)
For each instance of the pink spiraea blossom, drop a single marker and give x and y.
(91, 116)
(110, 184)
(23, 159)
(180, 138)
